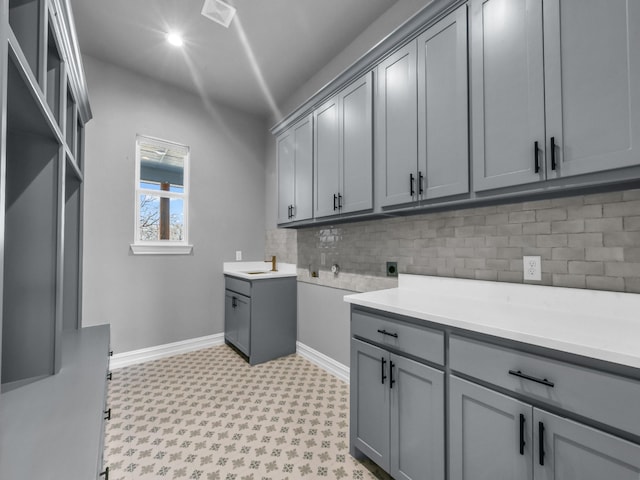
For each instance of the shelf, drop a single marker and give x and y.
(52, 428)
(25, 17)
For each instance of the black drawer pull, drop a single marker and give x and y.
(391, 380)
(522, 442)
(339, 201)
(234, 302)
(384, 332)
(105, 474)
(110, 376)
(543, 381)
(111, 353)
(536, 157)
(335, 200)
(420, 183)
(541, 442)
(553, 153)
(412, 191)
(107, 414)
(383, 362)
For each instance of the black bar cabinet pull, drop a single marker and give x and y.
(110, 376)
(293, 211)
(234, 302)
(536, 156)
(391, 380)
(105, 474)
(553, 153)
(543, 381)
(289, 214)
(111, 353)
(420, 183)
(383, 362)
(541, 442)
(522, 442)
(339, 200)
(107, 414)
(384, 332)
(335, 199)
(411, 189)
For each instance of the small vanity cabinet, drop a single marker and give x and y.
(260, 318)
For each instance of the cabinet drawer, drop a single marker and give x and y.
(237, 285)
(418, 341)
(600, 396)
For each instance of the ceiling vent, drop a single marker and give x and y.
(218, 11)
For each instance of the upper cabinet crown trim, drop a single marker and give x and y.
(405, 33)
(64, 22)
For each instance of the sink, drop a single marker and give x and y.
(258, 272)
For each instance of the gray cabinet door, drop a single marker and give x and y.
(507, 92)
(237, 320)
(356, 129)
(370, 401)
(242, 318)
(592, 89)
(574, 451)
(396, 128)
(327, 160)
(485, 434)
(285, 151)
(443, 138)
(303, 184)
(417, 421)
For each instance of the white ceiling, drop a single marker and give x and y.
(271, 48)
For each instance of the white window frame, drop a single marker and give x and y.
(162, 247)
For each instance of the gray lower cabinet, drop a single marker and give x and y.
(493, 436)
(397, 412)
(485, 434)
(237, 319)
(344, 151)
(261, 317)
(295, 172)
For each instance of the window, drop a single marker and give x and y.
(162, 197)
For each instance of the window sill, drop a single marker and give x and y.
(155, 249)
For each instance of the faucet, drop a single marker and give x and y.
(273, 263)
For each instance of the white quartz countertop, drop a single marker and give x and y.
(595, 324)
(259, 270)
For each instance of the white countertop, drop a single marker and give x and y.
(596, 324)
(258, 270)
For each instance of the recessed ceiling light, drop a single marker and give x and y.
(218, 11)
(175, 39)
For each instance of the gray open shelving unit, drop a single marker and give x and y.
(53, 371)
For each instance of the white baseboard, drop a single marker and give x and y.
(134, 357)
(320, 359)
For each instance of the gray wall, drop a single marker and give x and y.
(323, 320)
(153, 300)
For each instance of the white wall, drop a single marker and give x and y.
(153, 300)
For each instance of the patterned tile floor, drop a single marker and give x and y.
(209, 415)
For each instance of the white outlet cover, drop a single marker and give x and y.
(238, 255)
(532, 267)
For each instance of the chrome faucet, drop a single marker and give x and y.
(273, 263)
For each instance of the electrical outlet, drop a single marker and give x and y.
(532, 268)
(238, 255)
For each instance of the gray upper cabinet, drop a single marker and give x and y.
(396, 128)
(343, 146)
(295, 172)
(592, 89)
(443, 138)
(507, 92)
(555, 89)
(422, 116)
